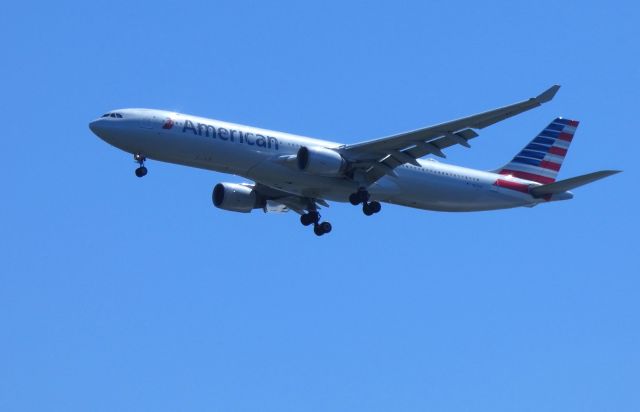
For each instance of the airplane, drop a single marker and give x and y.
(292, 172)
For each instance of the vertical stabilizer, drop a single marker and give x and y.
(541, 159)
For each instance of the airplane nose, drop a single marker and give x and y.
(95, 126)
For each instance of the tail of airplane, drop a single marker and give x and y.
(568, 184)
(541, 159)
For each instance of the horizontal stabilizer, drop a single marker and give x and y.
(568, 184)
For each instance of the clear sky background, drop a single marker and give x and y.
(127, 294)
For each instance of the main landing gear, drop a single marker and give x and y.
(140, 171)
(313, 217)
(362, 196)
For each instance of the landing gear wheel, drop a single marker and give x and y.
(361, 196)
(367, 210)
(371, 208)
(322, 228)
(306, 219)
(375, 206)
(141, 171)
(313, 217)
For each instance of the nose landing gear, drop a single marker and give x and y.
(140, 171)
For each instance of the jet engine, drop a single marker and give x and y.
(236, 197)
(320, 161)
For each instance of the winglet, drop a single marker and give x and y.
(548, 94)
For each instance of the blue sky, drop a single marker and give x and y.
(118, 293)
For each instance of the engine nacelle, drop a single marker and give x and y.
(235, 197)
(320, 161)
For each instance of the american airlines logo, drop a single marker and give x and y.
(232, 135)
(168, 124)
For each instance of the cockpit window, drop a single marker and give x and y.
(114, 115)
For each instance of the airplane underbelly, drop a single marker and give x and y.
(454, 196)
(289, 179)
(202, 153)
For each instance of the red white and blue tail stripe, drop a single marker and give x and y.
(542, 158)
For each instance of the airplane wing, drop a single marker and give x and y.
(379, 157)
(298, 204)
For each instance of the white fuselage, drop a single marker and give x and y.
(266, 156)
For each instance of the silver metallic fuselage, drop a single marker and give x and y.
(433, 186)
